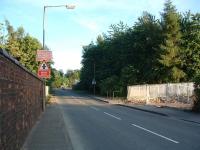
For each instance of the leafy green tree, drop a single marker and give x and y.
(196, 106)
(57, 80)
(28, 47)
(109, 85)
(190, 26)
(170, 49)
(147, 37)
(2, 35)
(12, 45)
(22, 46)
(72, 77)
(150, 51)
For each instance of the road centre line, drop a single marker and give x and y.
(94, 108)
(164, 137)
(112, 116)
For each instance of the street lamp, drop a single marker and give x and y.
(67, 7)
(94, 81)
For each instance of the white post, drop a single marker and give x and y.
(167, 87)
(188, 98)
(178, 91)
(147, 95)
(158, 95)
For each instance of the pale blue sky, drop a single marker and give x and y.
(68, 30)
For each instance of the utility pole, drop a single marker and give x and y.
(94, 79)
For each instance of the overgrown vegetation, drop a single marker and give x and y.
(23, 47)
(196, 106)
(20, 45)
(59, 79)
(151, 51)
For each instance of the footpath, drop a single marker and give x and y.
(49, 133)
(180, 114)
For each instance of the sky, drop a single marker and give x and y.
(66, 31)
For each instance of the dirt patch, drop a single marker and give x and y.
(175, 104)
(51, 100)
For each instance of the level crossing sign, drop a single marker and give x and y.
(44, 70)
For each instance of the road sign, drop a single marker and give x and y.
(44, 55)
(44, 71)
(93, 82)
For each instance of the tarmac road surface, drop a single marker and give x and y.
(94, 125)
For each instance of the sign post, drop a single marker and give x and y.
(94, 83)
(44, 71)
(44, 56)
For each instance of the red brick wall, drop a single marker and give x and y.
(21, 95)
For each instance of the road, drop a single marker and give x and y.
(94, 125)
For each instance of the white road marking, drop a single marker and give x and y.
(155, 133)
(112, 116)
(79, 101)
(94, 108)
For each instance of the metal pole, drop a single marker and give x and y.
(43, 43)
(44, 94)
(44, 28)
(94, 79)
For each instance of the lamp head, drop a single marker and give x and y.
(70, 6)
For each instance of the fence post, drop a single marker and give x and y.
(167, 86)
(178, 91)
(188, 94)
(147, 90)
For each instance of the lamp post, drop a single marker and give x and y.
(43, 43)
(94, 81)
(67, 7)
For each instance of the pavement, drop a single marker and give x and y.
(49, 133)
(78, 122)
(181, 114)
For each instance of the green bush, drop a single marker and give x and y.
(196, 106)
(109, 85)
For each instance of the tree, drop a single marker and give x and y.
(2, 36)
(12, 45)
(72, 77)
(57, 78)
(109, 85)
(150, 51)
(170, 48)
(22, 46)
(147, 37)
(196, 106)
(190, 27)
(28, 47)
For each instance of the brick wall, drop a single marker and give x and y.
(21, 96)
